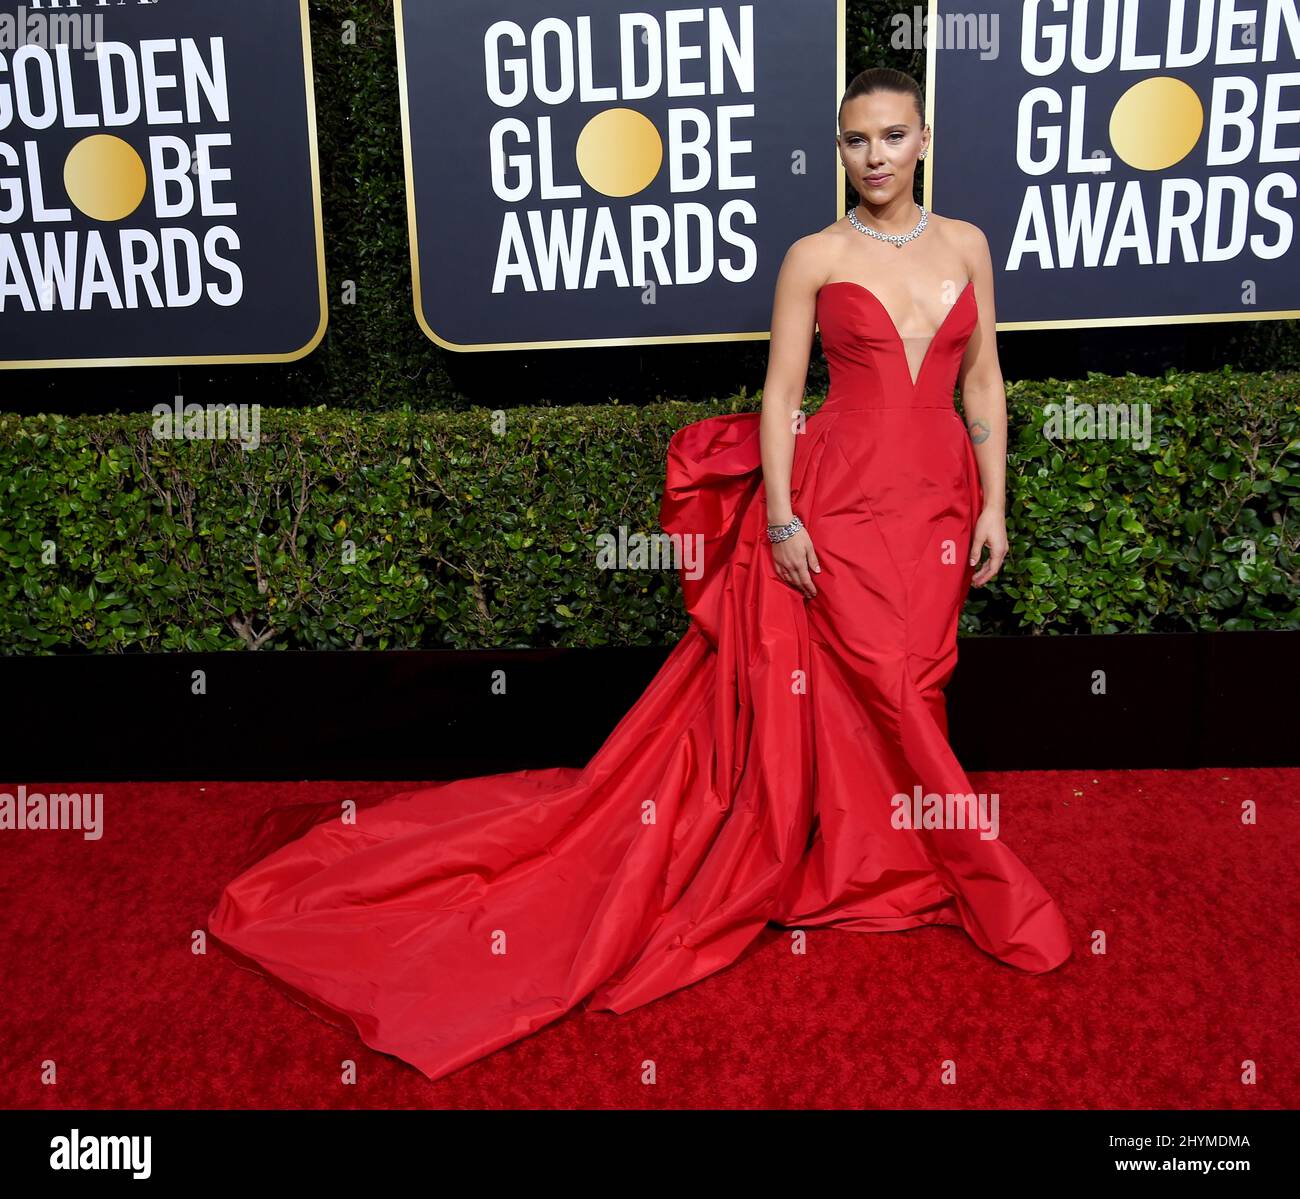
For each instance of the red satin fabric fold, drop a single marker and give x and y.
(752, 782)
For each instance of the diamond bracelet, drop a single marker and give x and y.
(777, 533)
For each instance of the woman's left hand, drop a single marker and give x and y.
(990, 530)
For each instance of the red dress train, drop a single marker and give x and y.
(752, 782)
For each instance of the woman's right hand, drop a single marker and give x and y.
(796, 562)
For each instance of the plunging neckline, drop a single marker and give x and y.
(893, 327)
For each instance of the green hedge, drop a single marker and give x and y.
(469, 538)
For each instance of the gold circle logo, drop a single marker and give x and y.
(619, 152)
(1156, 123)
(104, 177)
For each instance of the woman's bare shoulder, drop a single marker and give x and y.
(965, 238)
(817, 251)
(812, 250)
(828, 235)
(821, 238)
(965, 233)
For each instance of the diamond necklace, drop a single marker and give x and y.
(896, 238)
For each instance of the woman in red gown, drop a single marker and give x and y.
(774, 769)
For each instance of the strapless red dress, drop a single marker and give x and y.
(757, 779)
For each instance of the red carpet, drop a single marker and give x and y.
(1200, 975)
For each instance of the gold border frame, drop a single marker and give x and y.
(194, 359)
(417, 302)
(1114, 322)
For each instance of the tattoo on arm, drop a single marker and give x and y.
(979, 431)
